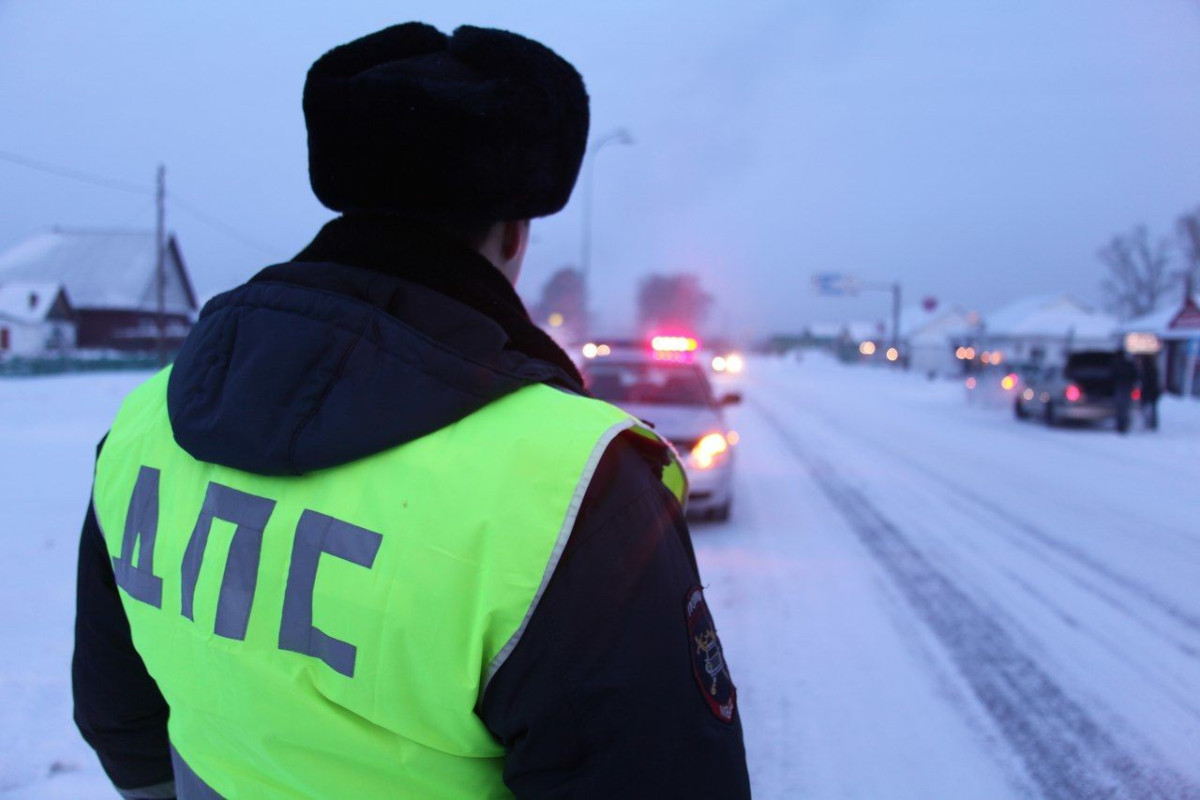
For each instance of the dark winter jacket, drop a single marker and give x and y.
(1151, 385)
(600, 698)
(1124, 374)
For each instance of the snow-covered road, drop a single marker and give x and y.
(922, 598)
(919, 598)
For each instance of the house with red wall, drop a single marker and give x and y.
(112, 280)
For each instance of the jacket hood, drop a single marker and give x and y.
(313, 364)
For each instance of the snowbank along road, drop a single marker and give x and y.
(917, 597)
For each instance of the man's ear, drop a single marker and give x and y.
(515, 239)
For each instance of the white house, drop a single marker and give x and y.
(931, 336)
(1046, 328)
(36, 320)
(863, 331)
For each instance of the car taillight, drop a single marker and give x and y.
(710, 447)
(1073, 393)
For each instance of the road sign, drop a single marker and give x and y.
(835, 284)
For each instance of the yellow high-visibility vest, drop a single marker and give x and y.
(330, 635)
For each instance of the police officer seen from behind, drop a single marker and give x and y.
(369, 537)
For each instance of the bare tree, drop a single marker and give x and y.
(1189, 235)
(672, 301)
(1139, 273)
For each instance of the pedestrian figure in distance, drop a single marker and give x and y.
(1124, 379)
(1151, 389)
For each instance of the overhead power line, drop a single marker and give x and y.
(133, 188)
(223, 227)
(75, 174)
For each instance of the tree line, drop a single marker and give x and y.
(664, 302)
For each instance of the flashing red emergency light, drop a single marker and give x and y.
(674, 344)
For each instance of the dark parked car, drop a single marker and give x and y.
(1084, 388)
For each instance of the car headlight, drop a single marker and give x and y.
(709, 450)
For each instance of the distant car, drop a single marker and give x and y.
(1018, 377)
(728, 363)
(676, 396)
(996, 384)
(1084, 389)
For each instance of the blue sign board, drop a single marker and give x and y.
(835, 284)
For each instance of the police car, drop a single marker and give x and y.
(663, 384)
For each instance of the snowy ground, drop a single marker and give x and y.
(922, 598)
(919, 598)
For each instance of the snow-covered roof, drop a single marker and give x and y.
(28, 301)
(917, 322)
(826, 330)
(1157, 322)
(101, 269)
(1050, 316)
(867, 331)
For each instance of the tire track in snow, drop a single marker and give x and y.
(1066, 752)
(1066, 550)
(1072, 552)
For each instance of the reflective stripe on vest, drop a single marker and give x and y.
(330, 635)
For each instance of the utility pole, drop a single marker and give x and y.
(896, 315)
(857, 286)
(836, 284)
(160, 264)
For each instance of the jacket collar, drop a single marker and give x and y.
(424, 256)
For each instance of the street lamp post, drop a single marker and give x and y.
(894, 288)
(618, 136)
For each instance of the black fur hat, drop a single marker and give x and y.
(480, 126)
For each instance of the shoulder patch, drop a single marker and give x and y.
(708, 658)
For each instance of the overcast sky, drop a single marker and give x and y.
(978, 152)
